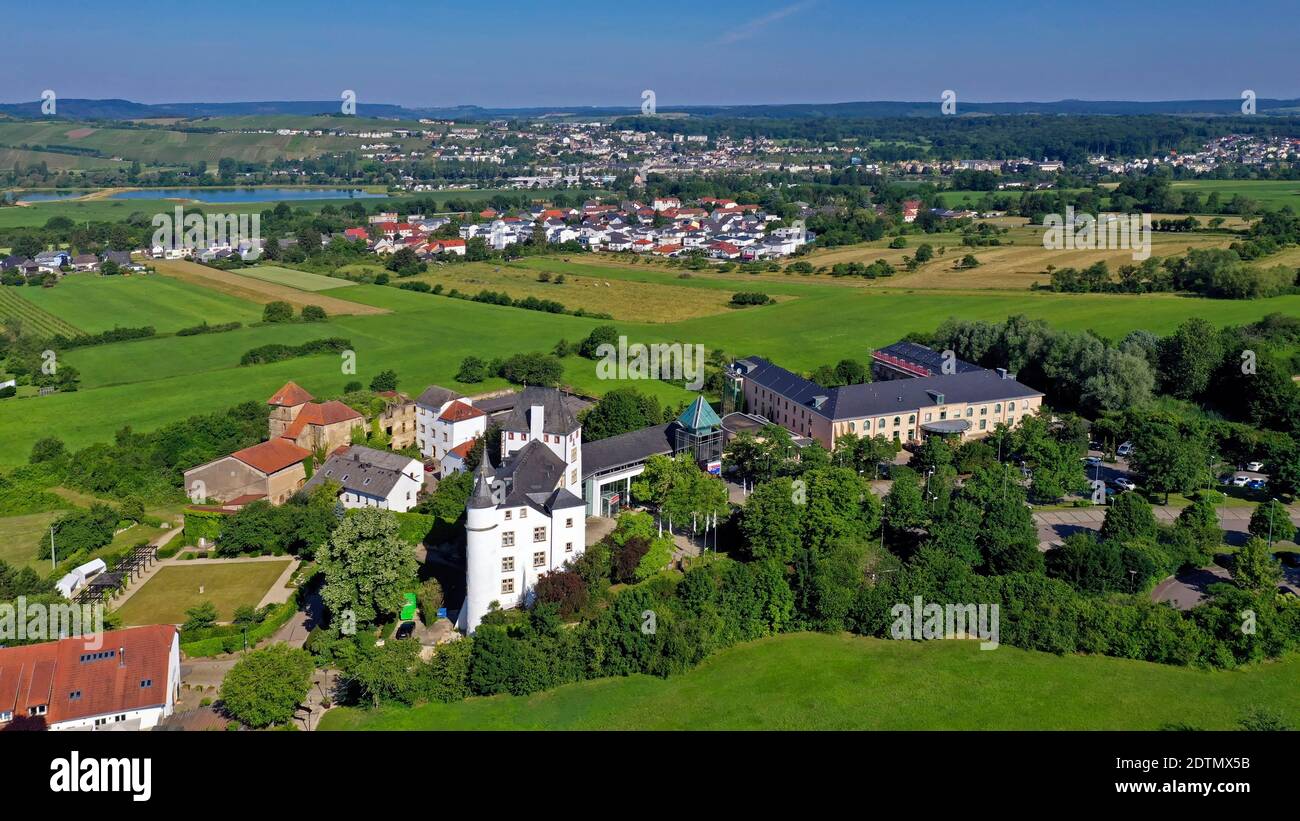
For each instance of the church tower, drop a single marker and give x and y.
(482, 551)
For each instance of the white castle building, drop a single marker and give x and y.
(526, 517)
(445, 420)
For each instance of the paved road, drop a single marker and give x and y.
(1055, 525)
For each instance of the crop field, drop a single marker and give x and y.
(175, 589)
(812, 681)
(622, 299)
(1267, 193)
(55, 160)
(161, 146)
(14, 303)
(256, 290)
(302, 280)
(96, 303)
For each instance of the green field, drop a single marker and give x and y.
(1267, 193)
(175, 588)
(14, 303)
(302, 280)
(147, 383)
(811, 681)
(19, 536)
(96, 303)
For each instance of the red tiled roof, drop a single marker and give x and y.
(50, 673)
(273, 456)
(459, 412)
(289, 395)
(462, 450)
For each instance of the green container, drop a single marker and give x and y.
(408, 609)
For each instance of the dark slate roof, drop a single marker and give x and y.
(434, 396)
(557, 419)
(532, 474)
(880, 398)
(926, 358)
(369, 471)
(626, 449)
(482, 496)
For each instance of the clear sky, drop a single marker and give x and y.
(577, 52)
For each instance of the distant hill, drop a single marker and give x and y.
(80, 109)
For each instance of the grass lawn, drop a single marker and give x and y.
(813, 681)
(96, 303)
(19, 535)
(302, 280)
(175, 588)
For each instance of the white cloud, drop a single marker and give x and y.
(747, 30)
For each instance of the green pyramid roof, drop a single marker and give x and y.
(699, 416)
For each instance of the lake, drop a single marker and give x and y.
(245, 194)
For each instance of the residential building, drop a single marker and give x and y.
(371, 478)
(295, 416)
(272, 470)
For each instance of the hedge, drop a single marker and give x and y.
(204, 524)
(412, 527)
(234, 641)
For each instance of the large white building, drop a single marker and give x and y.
(126, 680)
(525, 518)
(445, 420)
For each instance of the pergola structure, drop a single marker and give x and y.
(107, 585)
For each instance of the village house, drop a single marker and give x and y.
(309, 424)
(270, 470)
(371, 478)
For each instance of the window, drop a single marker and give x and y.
(853, 426)
(880, 424)
(507, 585)
(507, 564)
(509, 513)
(511, 434)
(539, 534)
(568, 522)
(146, 682)
(539, 559)
(943, 414)
(928, 416)
(896, 421)
(984, 411)
(984, 423)
(6, 716)
(523, 513)
(997, 408)
(911, 419)
(573, 476)
(1011, 406)
(970, 411)
(75, 695)
(508, 539)
(568, 547)
(38, 710)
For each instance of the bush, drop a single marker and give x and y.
(313, 313)
(277, 311)
(430, 599)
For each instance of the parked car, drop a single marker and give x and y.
(1125, 483)
(405, 630)
(1257, 484)
(1254, 467)
(1092, 461)
(1240, 481)
(1125, 449)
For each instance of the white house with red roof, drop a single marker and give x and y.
(116, 680)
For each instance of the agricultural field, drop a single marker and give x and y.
(812, 681)
(255, 290)
(302, 280)
(621, 299)
(1267, 193)
(175, 588)
(424, 337)
(55, 160)
(14, 302)
(163, 146)
(96, 303)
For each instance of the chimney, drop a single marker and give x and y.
(1002, 373)
(535, 418)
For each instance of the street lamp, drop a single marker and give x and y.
(53, 563)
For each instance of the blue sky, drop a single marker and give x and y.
(577, 52)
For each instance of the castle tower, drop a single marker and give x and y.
(482, 552)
